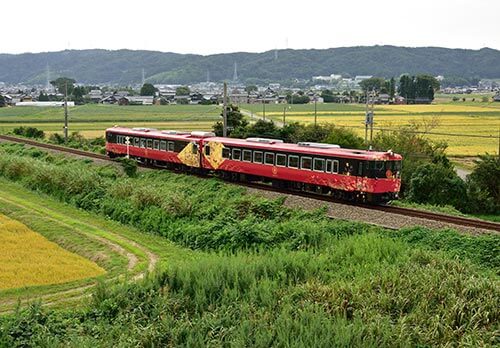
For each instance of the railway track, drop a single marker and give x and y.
(456, 220)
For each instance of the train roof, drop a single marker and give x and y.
(307, 148)
(321, 149)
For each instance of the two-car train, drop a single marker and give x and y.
(357, 175)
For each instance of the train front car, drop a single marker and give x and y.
(355, 175)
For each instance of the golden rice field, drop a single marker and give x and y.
(468, 129)
(29, 259)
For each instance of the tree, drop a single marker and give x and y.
(263, 128)
(2, 101)
(392, 88)
(61, 82)
(251, 88)
(78, 93)
(297, 98)
(182, 90)
(345, 137)
(425, 85)
(148, 89)
(43, 97)
(414, 146)
(483, 185)
(236, 123)
(438, 184)
(373, 83)
(327, 96)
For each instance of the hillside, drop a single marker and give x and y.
(125, 66)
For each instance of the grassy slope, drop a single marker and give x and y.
(75, 230)
(270, 276)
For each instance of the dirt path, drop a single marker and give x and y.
(79, 292)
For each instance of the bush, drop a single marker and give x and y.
(345, 137)
(436, 183)
(29, 132)
(129, 166)
(483, 185)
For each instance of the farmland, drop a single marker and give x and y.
(29, 259)
(237, 269)
(91, 120)
(468, 128)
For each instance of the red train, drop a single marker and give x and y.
(357, 175)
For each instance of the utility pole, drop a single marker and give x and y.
(264, 108)
(224, 112)
(66, 112)
(284, 111)
(372, 115)
(366, 117)
(315, 110)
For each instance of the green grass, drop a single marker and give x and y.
(252, 272)
(111, 113)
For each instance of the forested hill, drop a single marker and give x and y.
(125, 66)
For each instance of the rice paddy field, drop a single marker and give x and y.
(91, 120)
(469, 128)
(29, 259)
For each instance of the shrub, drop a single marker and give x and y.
(483, 185)
(437, 184)
(29, 132)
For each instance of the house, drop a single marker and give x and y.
(95, 95)
(110, 99)
(383, 98)
(496, 98)
(139, 100)
(399, 100)
(420, 100)
(238, 97)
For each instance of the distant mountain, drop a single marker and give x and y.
(125, 66)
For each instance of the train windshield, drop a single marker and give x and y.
(383, 169)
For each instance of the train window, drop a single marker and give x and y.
(226, 152)
(150, 143)
(143, 142)
(293, 161)
(163, 145)
(319, 164)
(247, 155)
(360, 168)
(328, 166)
(281, 160)
(207, 150)
(305, 163)
(397, 166)
(236, 154)
(156, 144)
(171, 146)
(269, 158)
(136, 141)
(257, 157)
(335, 166)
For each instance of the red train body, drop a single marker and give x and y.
(322, 168)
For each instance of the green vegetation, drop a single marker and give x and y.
(125, 66)
(261, 274)
(29, 132)
(148, 89)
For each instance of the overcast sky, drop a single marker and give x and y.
(219, 26)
